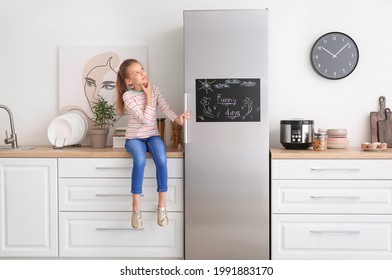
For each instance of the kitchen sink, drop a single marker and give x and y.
(20, 148)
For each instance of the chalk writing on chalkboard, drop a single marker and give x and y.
(228, 100)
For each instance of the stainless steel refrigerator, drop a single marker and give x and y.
(227, 137)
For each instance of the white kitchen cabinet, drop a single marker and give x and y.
(334, 208)
(108, 234)
(309, 236)
(28, 207)
(337, 196)
(114, 194)
(95, 208)
(113, 168)
(329, 169)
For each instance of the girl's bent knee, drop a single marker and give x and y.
(139, 161)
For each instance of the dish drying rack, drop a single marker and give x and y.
(64, 146)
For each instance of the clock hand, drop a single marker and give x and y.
(341, 49)
(333, 55)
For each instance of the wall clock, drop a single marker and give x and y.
(334, 55)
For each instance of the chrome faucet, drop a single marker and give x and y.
(12, 139)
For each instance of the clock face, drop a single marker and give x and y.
(334, 55)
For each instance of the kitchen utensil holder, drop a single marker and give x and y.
(64, 146)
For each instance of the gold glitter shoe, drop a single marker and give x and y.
(162, 218)
(136, 220)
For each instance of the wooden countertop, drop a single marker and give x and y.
(349, 153)
(77, 152)
(276, 153)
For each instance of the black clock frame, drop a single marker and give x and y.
(317, 41)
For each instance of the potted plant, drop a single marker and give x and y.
(104, 117)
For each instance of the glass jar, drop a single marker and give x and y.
(161, 128)
(320, 141)
(176, 136)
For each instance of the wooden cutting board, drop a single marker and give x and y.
(385, 128)
(375, 117)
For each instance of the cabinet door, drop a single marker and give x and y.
(114, 194)
(331, 196)
(28, 207)
(315, 236)
(113, 168)
(109, 234)
(329, 169)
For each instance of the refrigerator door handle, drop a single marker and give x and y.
(186, 121)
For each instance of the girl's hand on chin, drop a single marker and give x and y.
(147, 88)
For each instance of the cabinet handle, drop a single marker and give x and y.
(108, 194)
(336, 231)
(335, 169)
(118, 229)
(335, 197)
(110, 167)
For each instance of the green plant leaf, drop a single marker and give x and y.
(104, 113)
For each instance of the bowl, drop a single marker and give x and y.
(337, 145)
(337, 140)
(337, 132)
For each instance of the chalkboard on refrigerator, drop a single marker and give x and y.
(228, 100)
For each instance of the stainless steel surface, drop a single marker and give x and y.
(226, 163)
(296, 134)
(19, 148)
(306, 135)
(185, 120)
(12, 139)
(285, 133)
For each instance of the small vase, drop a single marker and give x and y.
(99, 137)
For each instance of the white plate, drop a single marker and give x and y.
(59, 132)
(83, 123)
(77, 126)
(74, 128)
(68, 129)
(337, 147)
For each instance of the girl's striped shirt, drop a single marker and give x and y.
(142, 119)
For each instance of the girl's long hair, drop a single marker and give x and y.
(121, 85)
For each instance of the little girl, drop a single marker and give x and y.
(136, 97)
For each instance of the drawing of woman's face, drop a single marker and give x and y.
(99, 78)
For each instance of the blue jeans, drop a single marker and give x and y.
(138, 149)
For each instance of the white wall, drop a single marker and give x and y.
(31, 32)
